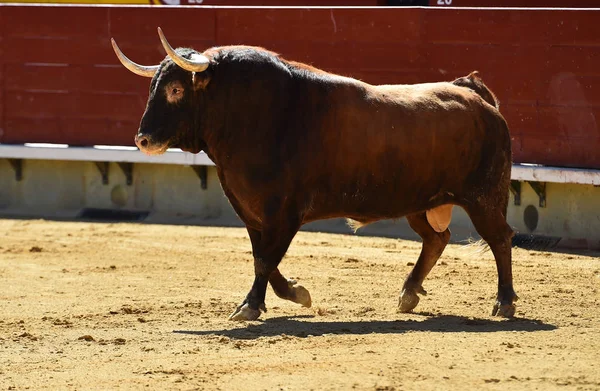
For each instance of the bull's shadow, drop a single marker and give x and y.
(295, 326)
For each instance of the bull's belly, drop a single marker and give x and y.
(438, 217)
(367, 212)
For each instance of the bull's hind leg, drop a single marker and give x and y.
(433, 246)
(490, 222)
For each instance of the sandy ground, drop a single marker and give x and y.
(134, 306)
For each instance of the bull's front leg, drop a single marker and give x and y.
(268, 246)
(255, 300)
(289, 289)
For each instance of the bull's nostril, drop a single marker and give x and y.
(144, 142)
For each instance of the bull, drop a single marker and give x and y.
(294, 144)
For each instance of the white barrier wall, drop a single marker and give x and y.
(172, 193)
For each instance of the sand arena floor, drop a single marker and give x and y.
(137, 306)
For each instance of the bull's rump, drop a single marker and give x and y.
(402, 149)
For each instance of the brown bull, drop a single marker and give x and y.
(293, 144)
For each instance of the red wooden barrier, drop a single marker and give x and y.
(516, 3)
(62, 83)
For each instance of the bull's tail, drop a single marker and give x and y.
(477, 247)
(354, 225)
(475, 83)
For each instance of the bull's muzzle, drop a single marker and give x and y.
(145, 143)
(142, 141)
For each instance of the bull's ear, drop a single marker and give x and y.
(200, 80)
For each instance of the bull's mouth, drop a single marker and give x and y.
(154, 149)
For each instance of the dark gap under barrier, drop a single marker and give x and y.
(112, 214)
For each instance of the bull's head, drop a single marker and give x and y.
(170, 119)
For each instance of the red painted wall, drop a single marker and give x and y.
(62, 83)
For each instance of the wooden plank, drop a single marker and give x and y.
(484, 26)
(570, 123)
(328, 25)
(22, 130)
(448, 61)
(565, 136)
(179, 25)
(52, 77)
(549, 151)
(581, 60)
(43, 104)
(38, 104)
(58, 51)
(573, 27)
(521, 119)
(554, 135)
(571, 89)
(56, 22)
(516, 3)
(109, 106)
(517, 149)
(73, 131)
(109, 131)
(524, 86)
(561, 152)
(456, 60)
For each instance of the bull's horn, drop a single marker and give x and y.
(146, 71)
(197, 63)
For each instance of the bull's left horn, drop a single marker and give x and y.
(197, 63)
(142, 70)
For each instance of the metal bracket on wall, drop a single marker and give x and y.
(540, 190)
(17, 165)
(202, 173)
(127, 169)
(515, 189)
(103, 168)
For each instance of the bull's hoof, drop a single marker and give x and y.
(244, 312)
(408, 300)
(295, 293)
(302, 296)
(504, 310)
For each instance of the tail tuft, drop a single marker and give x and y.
(477, 247)
(354, 224)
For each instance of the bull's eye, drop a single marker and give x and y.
(174, 92)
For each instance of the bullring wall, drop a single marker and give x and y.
(61, 83)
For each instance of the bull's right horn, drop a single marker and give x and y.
(142, 70)
(197, 63)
